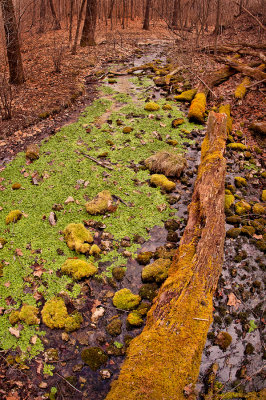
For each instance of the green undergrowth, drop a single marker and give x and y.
(33, 245)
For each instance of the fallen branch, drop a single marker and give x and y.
(166, 356)
(256, 83)
(96, 161)
(68, 383)
(253, 16)
(255, 73)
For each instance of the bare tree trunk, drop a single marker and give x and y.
(57, 25)
(146, 23)
(111, 9)
(218, 19)
(71, 20)
(42, 16)
(16, 73)
(175, 12)
(74, 48)
(165, 358)
(87, 37)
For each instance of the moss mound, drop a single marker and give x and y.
(78, 238)
(259, 208)
(134, 319)
(162, 182)
(13, 216)
(233, 233)
(16, 186)
(167, 107)
(126, 300)
(168, 163)
(197, 108)
(127, 129)
(263, 195)
(228, 201)
(157, 271)
(187, 95)
(78, 269)
(148, 291)
(144, 258)
(223, 340)
(118, 273)
(32, 152)
(242, 88)
(242, 207)
(237, 146)
(114, 328)
(27, 314)
(177, 122)
(100, 204)
(152, 106)
(55, 315)
(240, 182)
(94, 357)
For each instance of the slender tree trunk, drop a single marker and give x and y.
(111, 9)
(74, 48)
(57, 25)
(42, 16)
(16, 73)
(176, 12)
(146, 23)
(218, 19)
(165, 358)
(88, 33)
(71, 20)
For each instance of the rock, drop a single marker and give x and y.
(162, 182)
(32, 152)
(101, 204)
(242, 207)
(240, 182)
(105, 374)
(118, 273)
(259, 208)
(78, 237)
(144, 258)
(152, 106)
(233, 233)
(177, 122)
(134, 319)
(98, 313)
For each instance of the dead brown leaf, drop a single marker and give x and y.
(233, 301)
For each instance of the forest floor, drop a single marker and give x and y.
(52, 193)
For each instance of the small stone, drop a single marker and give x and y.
(105, 374)
(32, 152)
(43, 385)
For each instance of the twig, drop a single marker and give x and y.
(201, 319)
(204, 83)
(68, 383)
(96, 161)
(256, 83)
(119, 198)
(253, 16)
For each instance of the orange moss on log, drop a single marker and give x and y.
(197, 108)
(166, 356)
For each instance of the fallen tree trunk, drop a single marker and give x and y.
(255, 73)
(166, 356)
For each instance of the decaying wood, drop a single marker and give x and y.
(220, 76)
(165, 357)
(258, 127)
(255, 73)
(239, 50)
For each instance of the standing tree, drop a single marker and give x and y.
(176, 13)
(57, 25)
(146, 23)
(42, 16)
(87, 37)
(16, 74)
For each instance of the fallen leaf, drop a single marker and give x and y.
(7, 284)
(95, 305)
(33, 339)
(233, 301)
(14, 332)
(257, 236)
(1, 208)
(52, 219)
(18, 252)
(69, 200)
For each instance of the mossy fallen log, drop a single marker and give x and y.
(255, 73)
(166, 356)
(242, 88)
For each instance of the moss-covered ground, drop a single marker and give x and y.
(32, 256)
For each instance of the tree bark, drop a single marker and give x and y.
(57, 25)
(175, 13)
(111, 9)
(16, 73)
(74, 48)
(42, 16)
(218, 19)
(87, 37)
(166, 356)
(146, 23)
(70, 21)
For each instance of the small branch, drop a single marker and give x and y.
(205, 84)
(253, 16)
(201, 319)
(68, 383)
(96, 161)
(256, 83)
